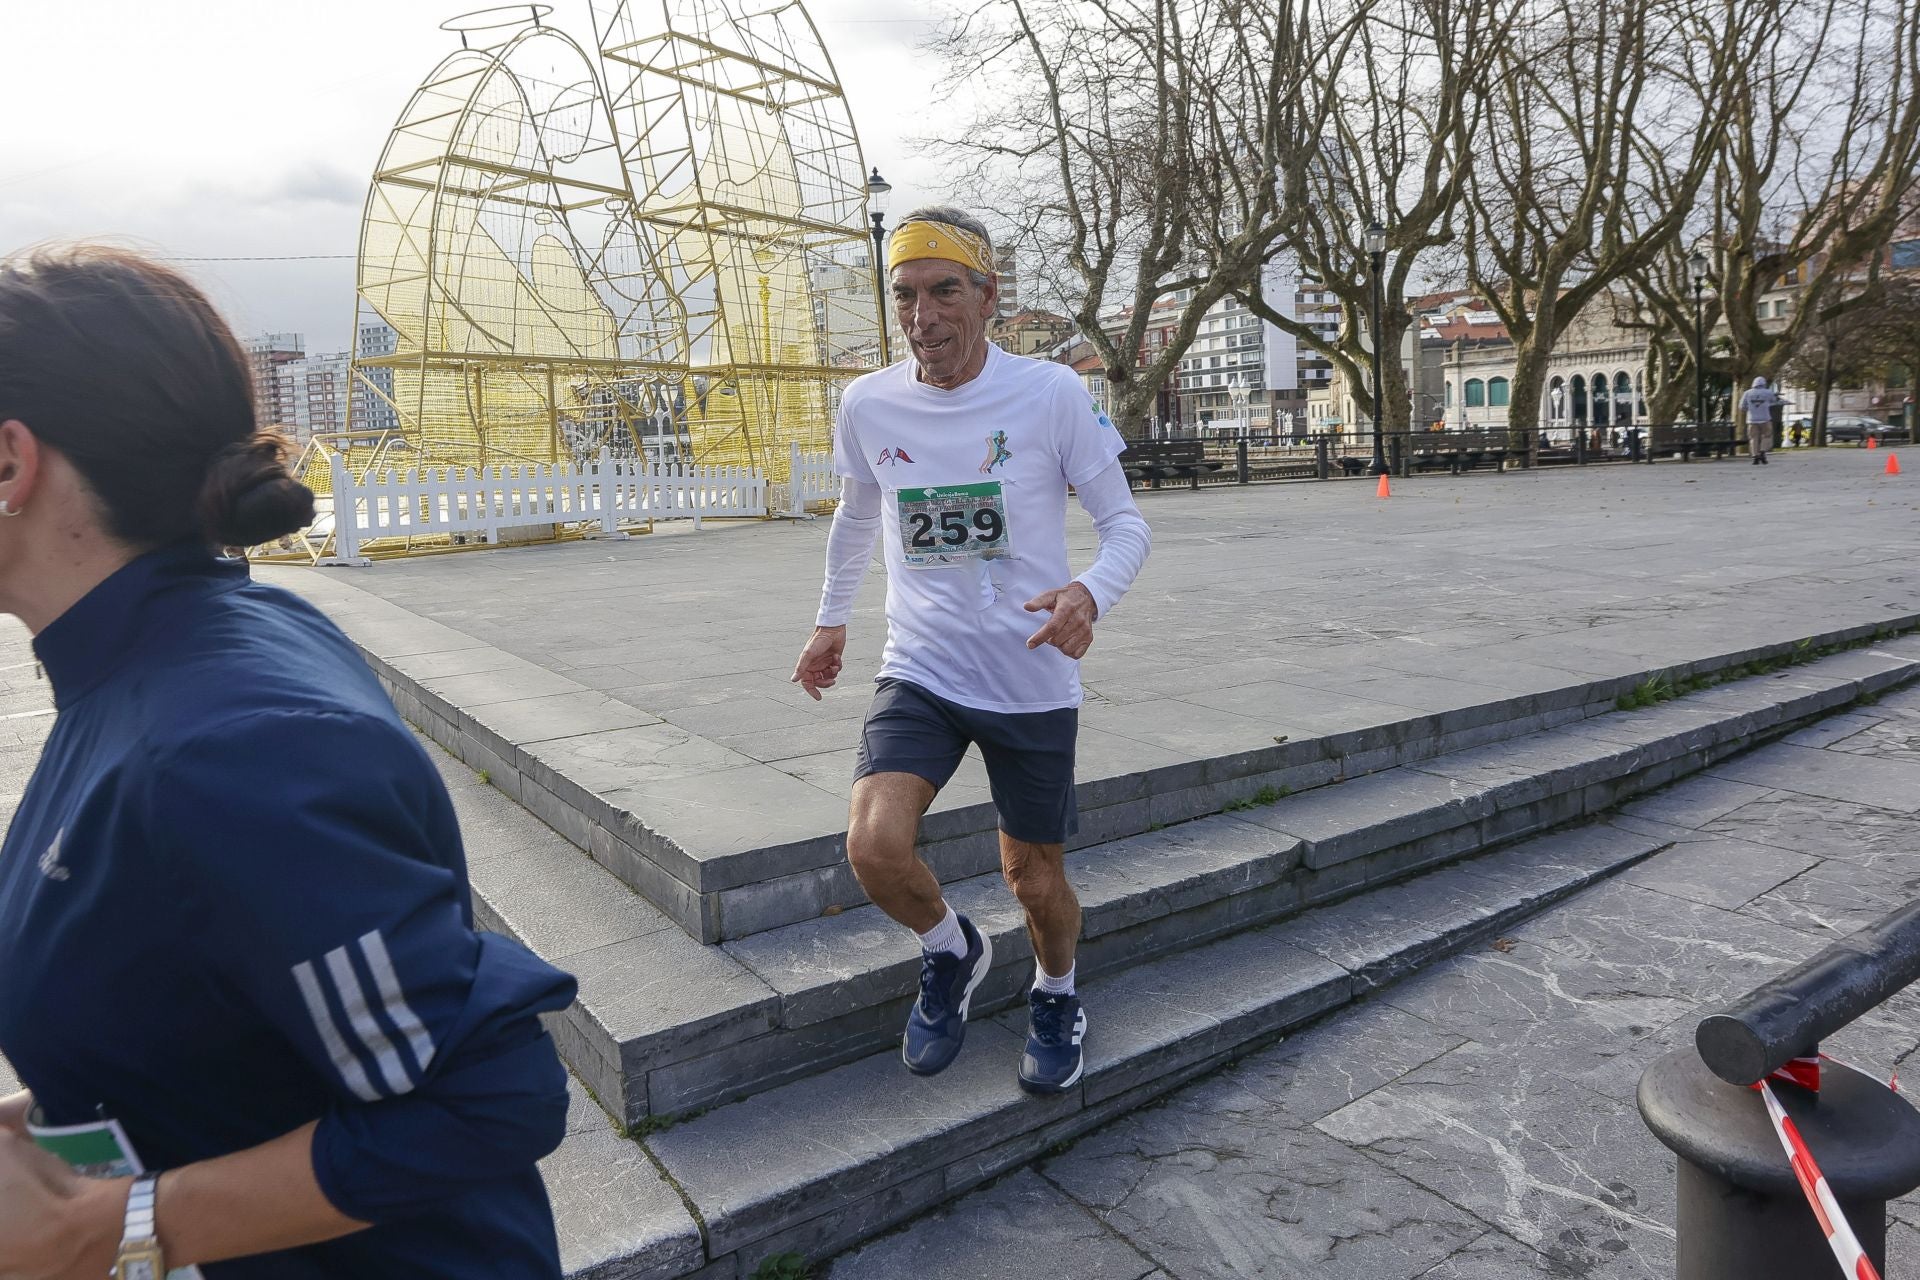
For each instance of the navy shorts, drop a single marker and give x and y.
(1029, 755)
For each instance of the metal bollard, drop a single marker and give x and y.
(1742, 1215)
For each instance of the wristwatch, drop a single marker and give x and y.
(139, 1257)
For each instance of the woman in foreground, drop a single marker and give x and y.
(234, 918)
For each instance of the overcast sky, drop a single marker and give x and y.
(238, 127)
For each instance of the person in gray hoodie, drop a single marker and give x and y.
(1756, 406)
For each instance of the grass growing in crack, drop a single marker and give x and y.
(646, 1126)
(1658, 688)
(1264, 796)
(1649, 691)
(784, 1266)
(485, 777)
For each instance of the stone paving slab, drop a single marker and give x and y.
(1501, 1082)
(623, 1219)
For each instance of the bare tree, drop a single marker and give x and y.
(1139, 148)
(1403, 108)
(1860, 339)
(1819, 169)
(1595, 104)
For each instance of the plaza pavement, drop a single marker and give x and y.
(1477, 1121)
(1276, 610)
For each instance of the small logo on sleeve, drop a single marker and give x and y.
(50, 865)
(1100, 415)
(890, 456)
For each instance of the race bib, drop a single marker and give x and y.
(958, 524)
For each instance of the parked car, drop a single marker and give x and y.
(1846, 428)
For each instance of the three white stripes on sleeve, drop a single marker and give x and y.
(344, 983)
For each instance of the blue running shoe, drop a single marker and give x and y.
(937, 1027)
(1053, 1061)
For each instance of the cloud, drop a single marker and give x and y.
(314, 184)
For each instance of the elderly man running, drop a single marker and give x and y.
(960, 459)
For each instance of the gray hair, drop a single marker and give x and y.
(954, 216)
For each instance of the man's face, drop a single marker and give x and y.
(944, 315)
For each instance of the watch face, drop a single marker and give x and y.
(139, 1264)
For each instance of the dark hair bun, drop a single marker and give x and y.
(249, 496)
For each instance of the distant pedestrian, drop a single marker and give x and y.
(1756, 406)
(234, 914)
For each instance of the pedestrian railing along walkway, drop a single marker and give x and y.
(1195, 463)
(604, 496)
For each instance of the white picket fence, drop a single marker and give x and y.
(421, 502)
(810, 479)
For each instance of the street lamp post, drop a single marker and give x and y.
(1377, 259)
(765, 258)
(877, 189)
(1697, 263)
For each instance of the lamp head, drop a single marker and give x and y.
(1697, 265)
(877, 189)
(1376, 237)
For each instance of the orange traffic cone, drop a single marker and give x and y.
(1384, 490)
(1872, 443)
(1893, 463)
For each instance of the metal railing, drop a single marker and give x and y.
(1264, 457)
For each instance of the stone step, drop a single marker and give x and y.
(814, 1166)
(728, 847)
(665, 1025)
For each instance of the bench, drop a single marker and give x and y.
(1714, 439)
(1458, 451)
(1151, 461)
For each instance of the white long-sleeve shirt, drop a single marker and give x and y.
(967, 489)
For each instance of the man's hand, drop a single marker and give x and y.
(819, 664)
(1070, 629)
(54, 1224)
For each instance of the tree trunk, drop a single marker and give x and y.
(1530, 361)
(1133, 403)
(1822, 394)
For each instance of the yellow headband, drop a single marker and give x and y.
(914, 240)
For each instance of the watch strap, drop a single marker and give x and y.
(140, 1210)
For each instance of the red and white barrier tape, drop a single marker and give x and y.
(1805, 1072)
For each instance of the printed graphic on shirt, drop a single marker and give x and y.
(953, 525)
(50, 865)
(890, 456)
(997, 452)
(338, 986)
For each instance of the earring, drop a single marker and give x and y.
(6, 508)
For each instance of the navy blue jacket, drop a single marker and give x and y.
(234, 900)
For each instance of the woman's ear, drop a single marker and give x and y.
(20, 459)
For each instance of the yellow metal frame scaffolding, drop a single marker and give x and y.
(672, 264)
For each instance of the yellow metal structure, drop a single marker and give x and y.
(660, 251)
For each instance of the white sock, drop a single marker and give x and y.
(945, 936)
(1050, 985)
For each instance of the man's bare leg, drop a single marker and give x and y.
(955, 957)
(881, 827)
(1037, 875)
